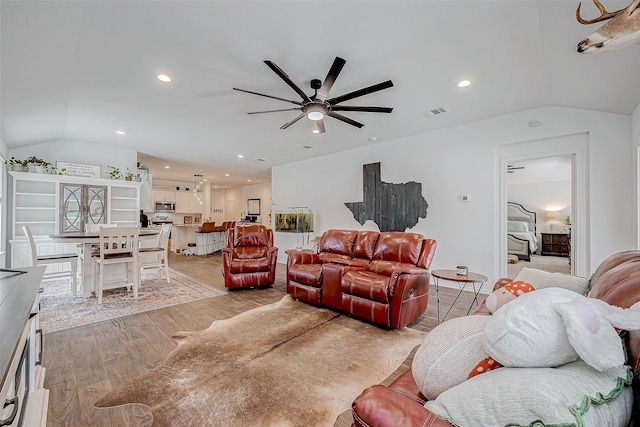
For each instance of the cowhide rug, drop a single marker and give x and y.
(285, 364)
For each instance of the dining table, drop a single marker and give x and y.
(87, 240)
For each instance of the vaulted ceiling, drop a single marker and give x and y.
(82, 70)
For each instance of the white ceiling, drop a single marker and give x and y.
(79, 70)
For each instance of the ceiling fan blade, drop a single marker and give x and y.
(344, 119)
(287, 80)
(356, 108)
(268, 96)
(273, 111)
(332, 75)
(361, 92)
(286, 125)
(320, 124)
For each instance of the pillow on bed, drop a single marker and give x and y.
(517, 226)
(544, 279)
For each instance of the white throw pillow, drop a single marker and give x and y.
(543, 279)
(570, 395)
(448, 354)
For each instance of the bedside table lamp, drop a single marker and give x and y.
(553, 217)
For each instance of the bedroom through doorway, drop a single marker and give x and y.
(539, 211)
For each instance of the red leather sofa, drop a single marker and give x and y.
(249, 260)
(616, 281)
(379, 277)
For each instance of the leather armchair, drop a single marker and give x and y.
(249, 260)
(616, 281)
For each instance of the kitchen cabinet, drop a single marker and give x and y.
(164, 196)
(186, 202)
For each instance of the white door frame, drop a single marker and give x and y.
(576, 145)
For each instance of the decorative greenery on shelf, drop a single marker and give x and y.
(32, 164)
(114, 172)
(36, 161)
(129, 175)
(16, 165)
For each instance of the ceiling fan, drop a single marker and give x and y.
(316, 106)
(512, 169)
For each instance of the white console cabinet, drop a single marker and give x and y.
(36, 200)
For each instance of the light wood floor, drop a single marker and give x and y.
(86, 362)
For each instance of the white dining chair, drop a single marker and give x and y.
(38, 260)
(118, 245)
(157, 256)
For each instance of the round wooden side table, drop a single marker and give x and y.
(462, 281)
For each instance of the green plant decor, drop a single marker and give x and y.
(114, 172)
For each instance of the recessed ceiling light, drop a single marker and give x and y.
(164, 78)
(316, 131)
(226, 174)
(249, 180)
(240, 156)
(167, 167)
(373, 138)
(463, 83)
(120, 132)
(307, 147)
(259, 160)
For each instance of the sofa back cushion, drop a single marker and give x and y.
(336, 244)
(398, 246)
(365, 244)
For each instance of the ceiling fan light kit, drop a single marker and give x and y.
(317, 106)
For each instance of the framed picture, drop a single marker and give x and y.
(253, 207)
(78, 169)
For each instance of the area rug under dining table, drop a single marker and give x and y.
(61, 310)
(284, 364)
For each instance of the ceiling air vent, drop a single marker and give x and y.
(436, 111)
(307, 147)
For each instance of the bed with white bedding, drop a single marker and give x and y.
(521, 231)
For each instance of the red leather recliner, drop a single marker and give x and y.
(616, 281)
(249, 260)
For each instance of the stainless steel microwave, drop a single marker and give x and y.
(167, 207)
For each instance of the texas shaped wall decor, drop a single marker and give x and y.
(393, 207)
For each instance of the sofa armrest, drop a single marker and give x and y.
(301, 257)
(380, 406)
(410, 270)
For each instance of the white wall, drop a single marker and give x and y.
(3, 214)
(239, 196)
(462, 161)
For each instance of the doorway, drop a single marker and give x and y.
(539, 194)
(576, 147)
